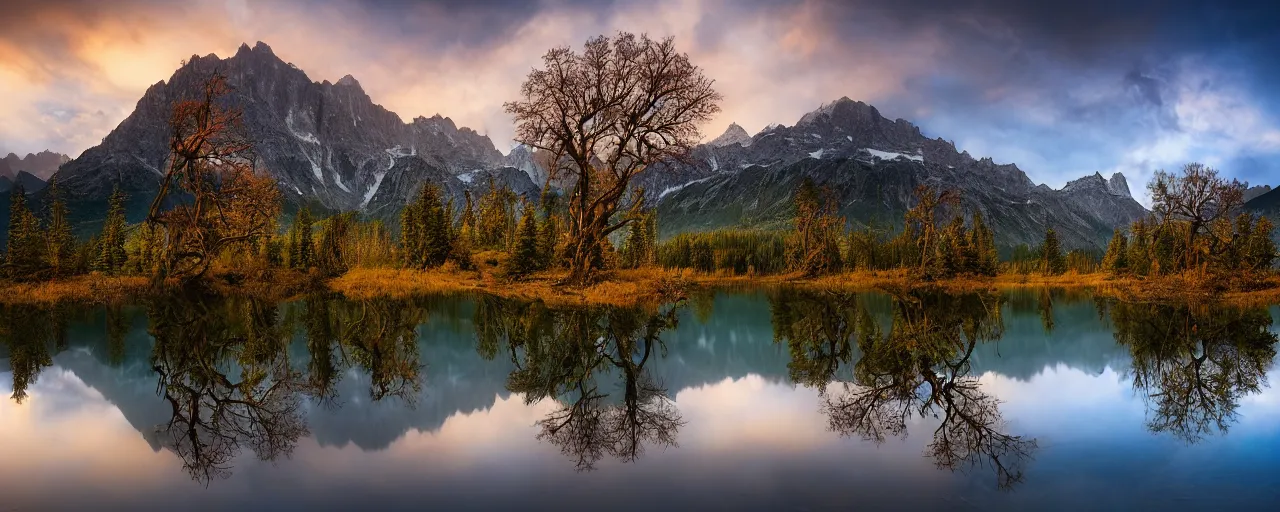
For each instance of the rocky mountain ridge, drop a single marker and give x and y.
(329, 145)
(41, 165)
(326, 143)
(873, 165)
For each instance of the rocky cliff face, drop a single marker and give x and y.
(326, 143)
(874, 165)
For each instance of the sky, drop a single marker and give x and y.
(1063, 89)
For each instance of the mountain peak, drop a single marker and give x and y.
(732, 135)
(349, 81)
(1119, 186)
(262, 47)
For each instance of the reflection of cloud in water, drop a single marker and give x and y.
(97, 450)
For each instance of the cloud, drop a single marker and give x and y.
(1063, 90)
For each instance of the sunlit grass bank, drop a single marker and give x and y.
(648, 285)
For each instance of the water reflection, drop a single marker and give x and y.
(1194, 364)
(377, 336)
(223, 369)
(28, 339)
(238, 377)
(574, 356)
(919, 368)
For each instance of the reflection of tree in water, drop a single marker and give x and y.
(1194, 364)
(919, 369)
(199, 350)
(379, 336)
(28, 332)
(224, 368)
(565, 355)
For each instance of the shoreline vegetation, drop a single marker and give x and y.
(218, 222)
(623, 287)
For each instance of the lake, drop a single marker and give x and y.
(756, 400)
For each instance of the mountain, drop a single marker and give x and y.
(527, 160)
(331, 147)
(873, 165)
(1267, 204)
(1255, 191)
(30, 182)
(328, 144)
(734, 135)
(42, 164)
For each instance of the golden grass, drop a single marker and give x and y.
(616, 287)
(619, 288)
(92, 288)
(647, 285)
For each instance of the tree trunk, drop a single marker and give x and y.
(582, 264)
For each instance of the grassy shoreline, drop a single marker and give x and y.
(617, 287)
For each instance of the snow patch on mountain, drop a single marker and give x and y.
(677, 188)
(337, 180)
(889, 155)
(400, 151)
(302, 136)
(817, 154)
(377, 182)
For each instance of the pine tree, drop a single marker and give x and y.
(702, 255)
(496, 224)
(150, 248)
(947, 255)
(1052, 261)
(111, 254)
(411, 235)
(524, 259)
(1139, 257)
(982, 241)
(1117, 259)
(61, 243)
(304, 225)
(964, 257)
(549, 230)
(291, 250)
(436, 243)
(634, 248)
(548, 233)
(25, 244)
(1164, 250)
(467, 223)
(650, 238)
(331, 255)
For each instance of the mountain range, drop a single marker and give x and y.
(873, 165)
(326, 143)
(42, 165)
(331, 147)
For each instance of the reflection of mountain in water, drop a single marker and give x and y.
(1079, 339)
(455, 379)
(729, 337)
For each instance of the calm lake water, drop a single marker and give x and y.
(781, 400)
